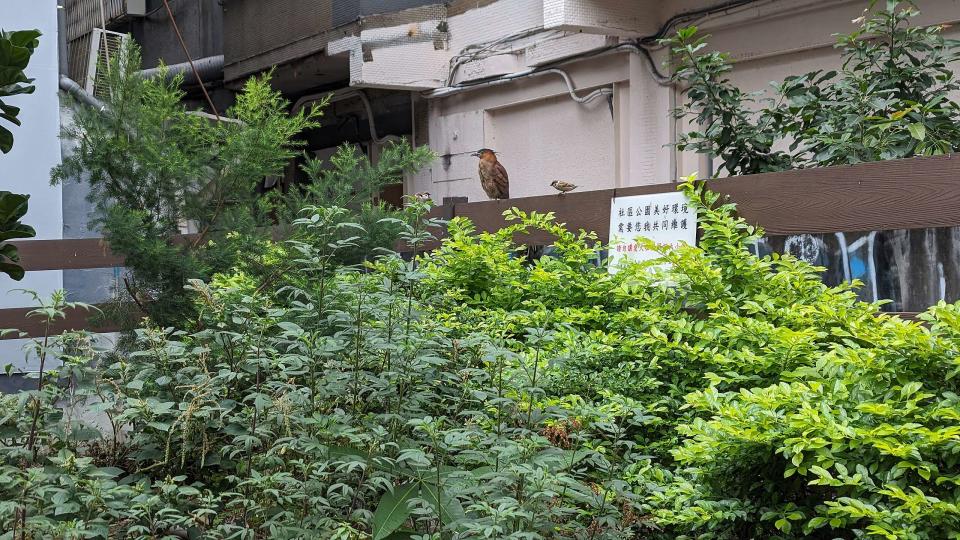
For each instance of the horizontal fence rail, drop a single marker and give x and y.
(37, 327)
(912, 193)
(887, 195)
(68, 254)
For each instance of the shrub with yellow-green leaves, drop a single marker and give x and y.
(861, 439)
(783, 408)
(475, 392)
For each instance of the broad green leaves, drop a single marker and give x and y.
(917, 131)
(15, 51)
(12, 208)
(448, 508)
(395, 507)
(393, 510)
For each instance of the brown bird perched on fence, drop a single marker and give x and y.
(493, 177)
(563, 187)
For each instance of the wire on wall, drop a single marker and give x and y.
(196, 73)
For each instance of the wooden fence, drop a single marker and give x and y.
(903, 194)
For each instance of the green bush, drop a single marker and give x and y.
(892, 98)
(782, 408)
(334, 406)
(156, 169)
(476, 393)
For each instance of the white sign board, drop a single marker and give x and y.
(665, 218)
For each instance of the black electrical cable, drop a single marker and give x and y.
(154, 11)
(690, 15)
(639, 44)
(183, 45)
(680, 18)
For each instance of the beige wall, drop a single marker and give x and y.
(541, 133)
(544, 135)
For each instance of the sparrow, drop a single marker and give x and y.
(422, 196)
(562, 186)
(493, 177)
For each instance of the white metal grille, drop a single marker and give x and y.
(105, 48)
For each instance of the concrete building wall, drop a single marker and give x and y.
(544, 135)
(200, 23)
(348, 11)
(540, 132)
(541, 142)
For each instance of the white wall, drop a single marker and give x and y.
(36, 149)
(535, 141)
(540, 132)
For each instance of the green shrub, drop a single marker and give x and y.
(892, 98)
(334, 406)
(475, 393)
(156, 168)
(783, 408)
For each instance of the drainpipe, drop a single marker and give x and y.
(341, 95)
(210, 67)
(71, 87)
(62, 53)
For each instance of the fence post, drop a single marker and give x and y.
(449, 207)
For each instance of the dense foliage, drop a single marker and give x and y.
(475, 393)
(893, 97)
(155, 171)
(158, 170)
(350, 181)
(16, 48)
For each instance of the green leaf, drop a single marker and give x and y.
(15, 51)
(6, 140)
(909, 389)
(12, 270)
(402, 534)
(917, 131)
(449, 508)
(393, 510)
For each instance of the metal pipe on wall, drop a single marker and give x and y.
(71, 87)
(62, 52)
(209, 67)
(533, 72)
(341, 95)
